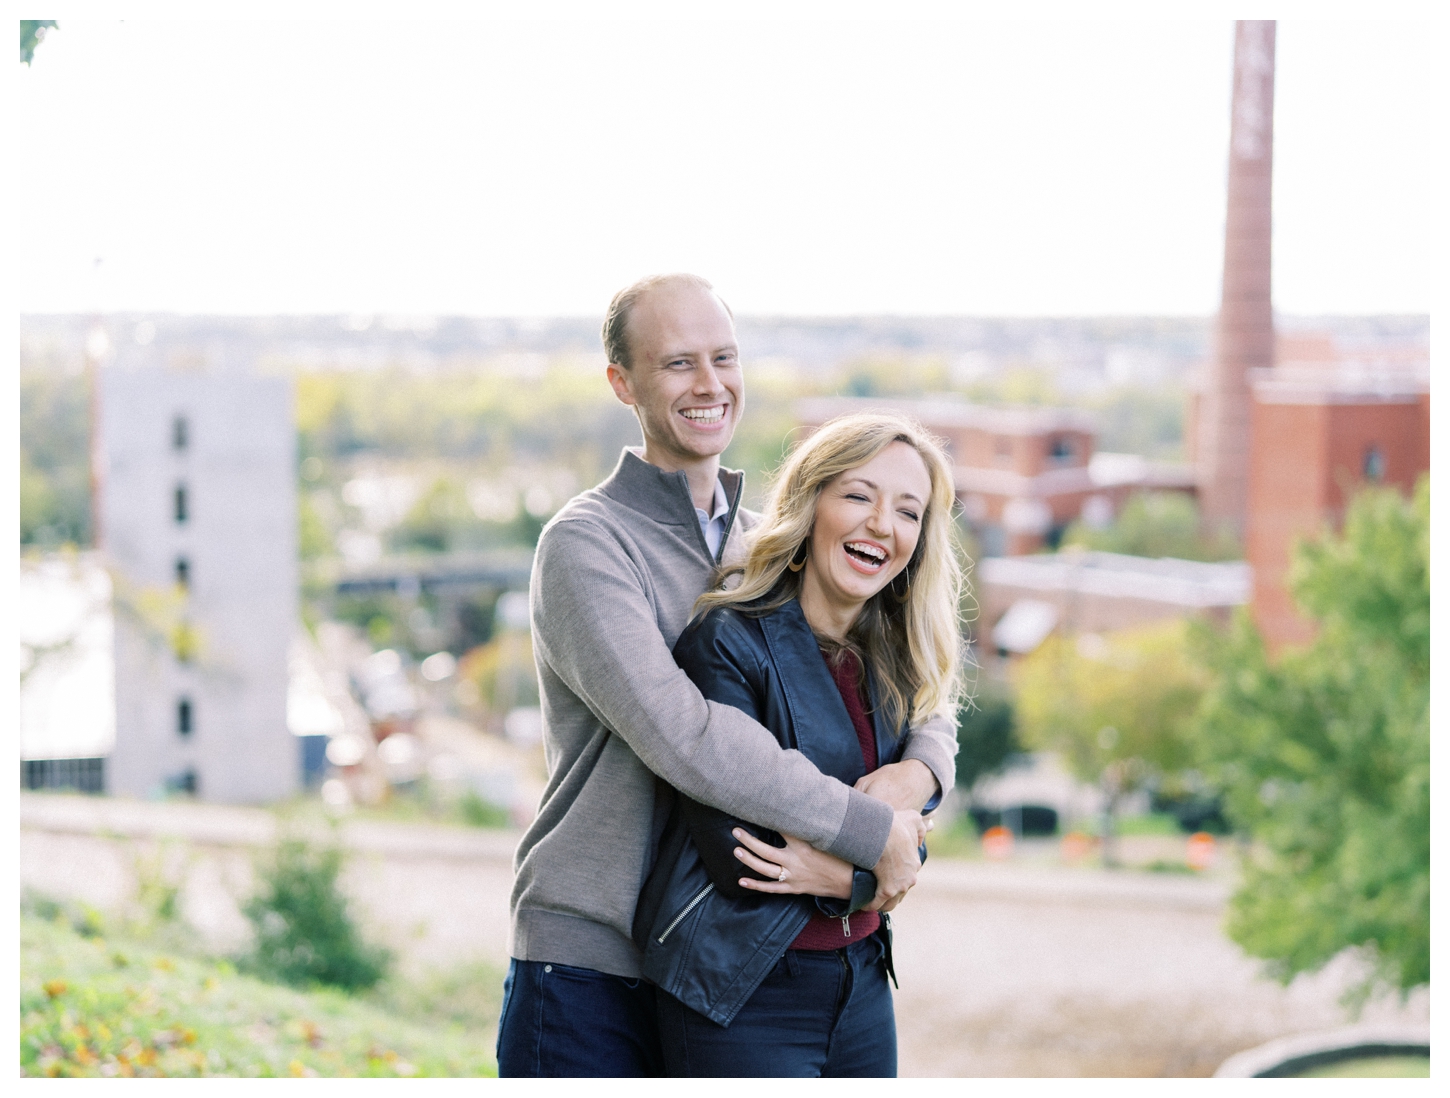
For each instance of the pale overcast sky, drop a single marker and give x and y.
(514, 168)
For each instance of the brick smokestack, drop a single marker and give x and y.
(1245, 335)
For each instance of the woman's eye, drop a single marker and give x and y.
(912, 515)
(857, 497)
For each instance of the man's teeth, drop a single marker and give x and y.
(705, 415)
(869, 551)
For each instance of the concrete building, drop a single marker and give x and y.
(1244, 338)
(196, 472)
(1321, 431)
(1023, 474)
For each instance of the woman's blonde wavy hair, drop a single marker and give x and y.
(913, 646)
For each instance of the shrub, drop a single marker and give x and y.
(305, 934)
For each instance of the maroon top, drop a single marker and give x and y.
(824, 932)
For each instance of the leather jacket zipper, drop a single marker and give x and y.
(678, 919)
(846, 924)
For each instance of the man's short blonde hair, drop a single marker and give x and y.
(615, 332)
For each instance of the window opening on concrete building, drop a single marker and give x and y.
(183, 717)
(185, 782)
(1374, 464)
(82, 775)
(180, 433)
(181, 503)
(183, 573)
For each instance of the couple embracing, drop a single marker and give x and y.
(745, 717)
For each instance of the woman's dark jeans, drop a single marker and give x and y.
(818, 1014)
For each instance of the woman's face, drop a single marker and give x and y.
(868, 521)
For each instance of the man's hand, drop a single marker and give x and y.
(896, 871)
(905, 786)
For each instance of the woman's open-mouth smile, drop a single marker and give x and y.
(866, 557)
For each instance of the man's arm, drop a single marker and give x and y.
(924, 775)
(594, 627)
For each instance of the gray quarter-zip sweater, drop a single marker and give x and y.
(616, 573)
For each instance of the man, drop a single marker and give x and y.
(615, 575)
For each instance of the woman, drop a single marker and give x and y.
(842, 630)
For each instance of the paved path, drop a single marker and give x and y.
(1005, 970)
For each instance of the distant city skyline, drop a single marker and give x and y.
(829, 169)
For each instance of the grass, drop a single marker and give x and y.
(1373, 1067)
(96, 1002)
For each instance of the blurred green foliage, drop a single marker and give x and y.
(32, 31)
(986, 736)
(1156, 524)
(1323, 753)
(1135, 419)
(1118, 707)
(477, 812)
(55, 478)
(567, 416)
(304, 932)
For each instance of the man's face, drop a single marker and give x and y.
(685, 380)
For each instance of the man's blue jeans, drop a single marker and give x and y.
(818, 1014)
(560, 1021)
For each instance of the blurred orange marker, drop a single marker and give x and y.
(1202, 850)
(1076, 846)
(997, 842)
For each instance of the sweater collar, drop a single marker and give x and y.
(664, 497)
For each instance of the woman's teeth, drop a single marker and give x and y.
(868, 554)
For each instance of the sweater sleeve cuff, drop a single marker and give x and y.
(935, 757)
(862, 838)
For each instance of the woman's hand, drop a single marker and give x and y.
(797, 868)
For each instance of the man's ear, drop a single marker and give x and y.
(619, 381)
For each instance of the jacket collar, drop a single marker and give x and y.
(665, 497)
(818, 714)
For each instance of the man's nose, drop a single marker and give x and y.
(707, 381)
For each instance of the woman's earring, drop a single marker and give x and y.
(798, 561)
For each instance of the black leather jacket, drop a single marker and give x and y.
(704, 939)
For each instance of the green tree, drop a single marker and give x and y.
(1155, 524)
(32, 32)
(55, 478)
(1324, 754)
(437, 520)
(1117, 707)
(986, 736)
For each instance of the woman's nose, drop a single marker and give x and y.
(879, 521)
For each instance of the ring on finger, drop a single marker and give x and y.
(781, 877)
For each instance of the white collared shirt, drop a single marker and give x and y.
(713, 524)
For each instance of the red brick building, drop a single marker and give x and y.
(1320, 433)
